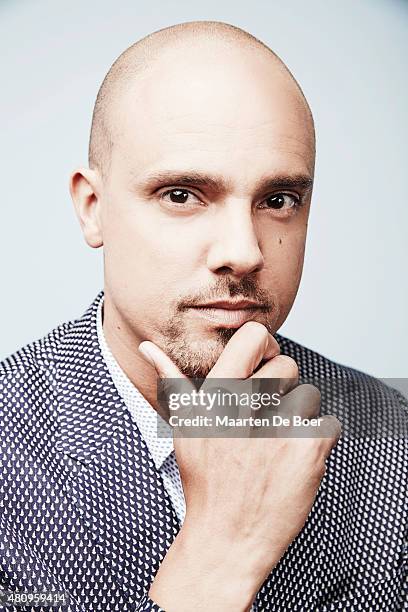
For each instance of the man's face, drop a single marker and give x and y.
(206, 201)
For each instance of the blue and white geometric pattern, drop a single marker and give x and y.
(145, 416)
(84, 510)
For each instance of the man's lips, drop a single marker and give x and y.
(229, 313)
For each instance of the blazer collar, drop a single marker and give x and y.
(89, 405)
(116, 492)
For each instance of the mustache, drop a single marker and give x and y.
(227, 288)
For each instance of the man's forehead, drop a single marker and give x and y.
(212, 117)
(201, 87)
(213, 149)
(197, 82)
(220, 170)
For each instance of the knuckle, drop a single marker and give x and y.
(289, 365)
(257, 330)
(332, 425)
(312, 392)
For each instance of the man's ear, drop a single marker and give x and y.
(84, 187)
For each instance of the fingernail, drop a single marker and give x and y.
(146, 354)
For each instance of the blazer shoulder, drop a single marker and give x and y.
(349, 386)
(28, 392)
(37, 355)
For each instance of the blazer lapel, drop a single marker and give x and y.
(113, 481)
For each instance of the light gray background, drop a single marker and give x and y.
(350, 59)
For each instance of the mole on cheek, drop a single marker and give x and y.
(280, 240)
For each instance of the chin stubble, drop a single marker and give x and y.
(196, 359)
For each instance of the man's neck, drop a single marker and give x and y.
(123, 345)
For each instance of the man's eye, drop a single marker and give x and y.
(179, 196)
(281, 201)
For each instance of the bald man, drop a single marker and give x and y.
(201, 163)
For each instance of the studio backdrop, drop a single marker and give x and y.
(350, 59)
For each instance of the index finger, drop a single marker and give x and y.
(251, 344)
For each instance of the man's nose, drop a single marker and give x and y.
(235, 247)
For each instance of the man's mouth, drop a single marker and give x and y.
(229, 313)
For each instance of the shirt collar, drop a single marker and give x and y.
(145, 416)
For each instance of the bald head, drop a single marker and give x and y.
(202, 162)
(158, 49)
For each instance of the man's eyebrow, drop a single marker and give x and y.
(220, 184)
(216, 183)
(290, 181)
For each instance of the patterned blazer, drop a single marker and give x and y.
(83, 510)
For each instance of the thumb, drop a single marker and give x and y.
(162, 363)
(167, 372)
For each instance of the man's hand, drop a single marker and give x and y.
(246, 498)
